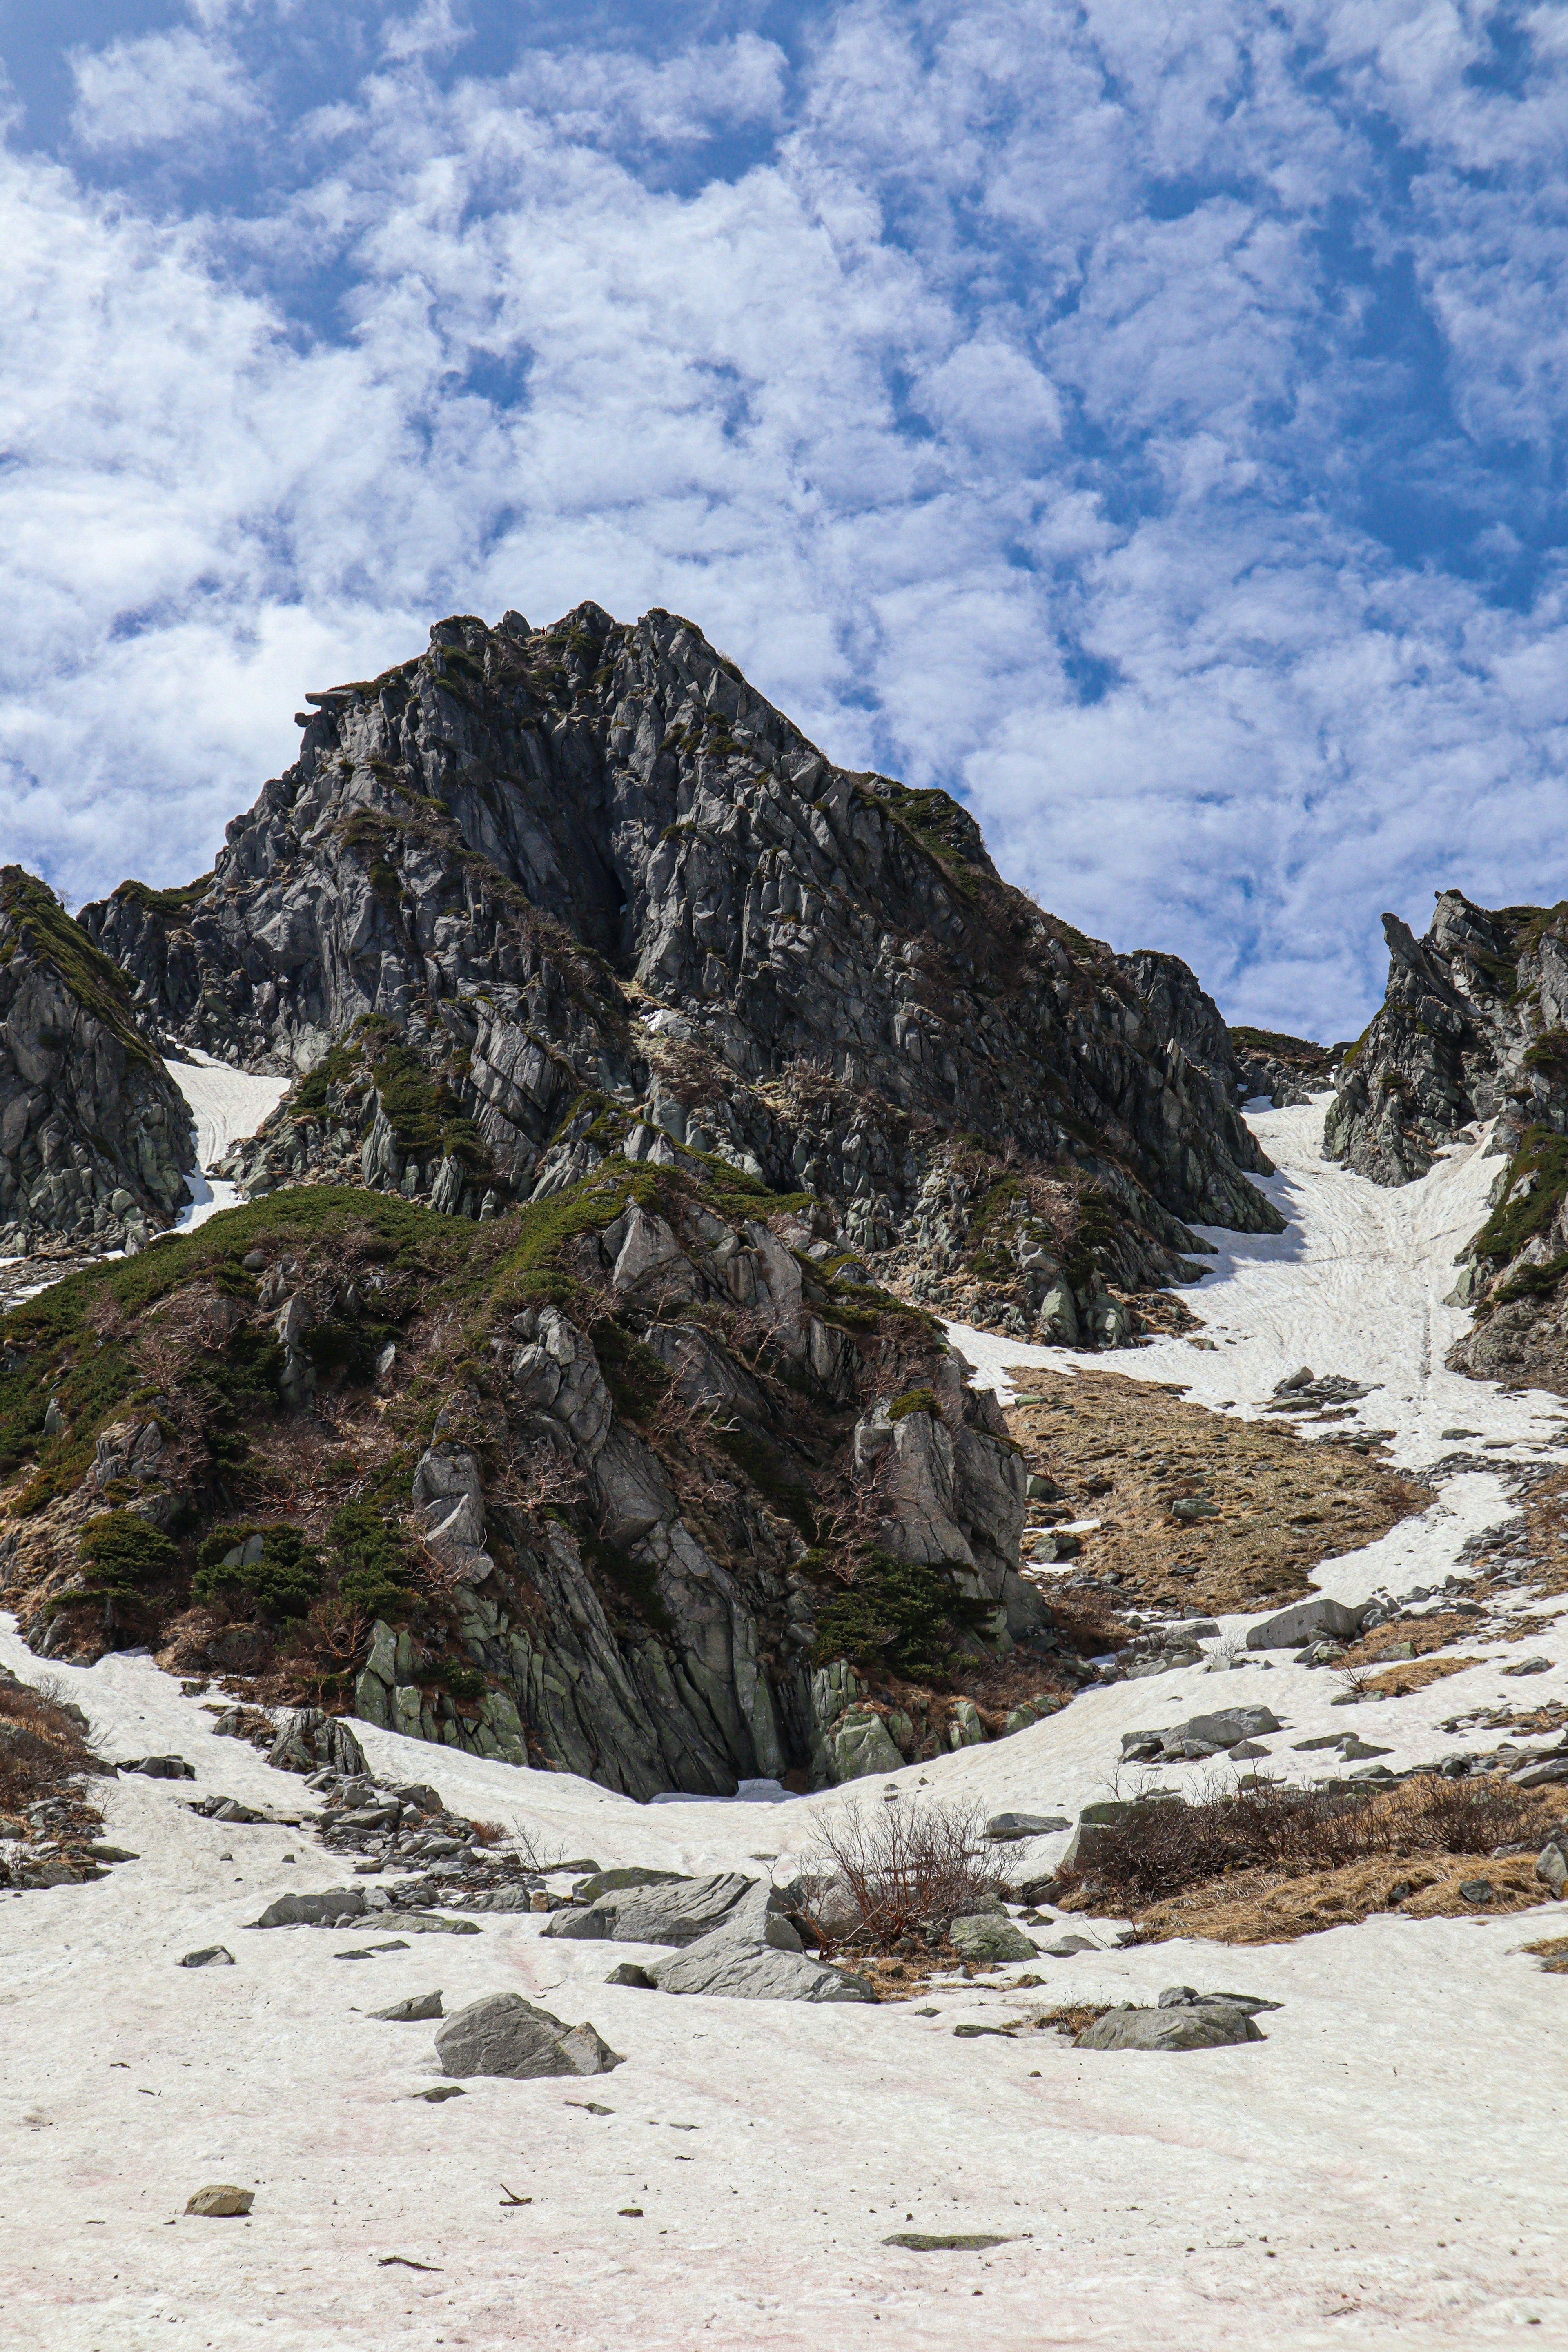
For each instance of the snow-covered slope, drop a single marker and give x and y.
(1387, 2169)
(226, 1105)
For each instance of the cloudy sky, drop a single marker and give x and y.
(1145, 422)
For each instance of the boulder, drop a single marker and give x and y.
(324, 1910)
(860, 1746)
(209, 1956)
(312, 1741)
(1006, 1829)
(681, 1912)
(579, 1924)
(755, 1956)
(994, 1942)
(1551, 1868)
(1315, 1619)
(616, 1881)
(159, 1768)
(504, 2034)
(1204, 2025)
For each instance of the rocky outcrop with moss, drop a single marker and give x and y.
(93, 1133)
(542, 898)
(624, 1480)
(1474, 1029)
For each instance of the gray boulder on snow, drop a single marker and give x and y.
(1199, 2024)
(419, 2005)
(325, 1910)
(1006, 1829)
(1315, 1619)
(314, 1741)
(504, 2034)
(755, 1954)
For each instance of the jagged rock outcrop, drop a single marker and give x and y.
(1474, 1029)
(1289, 1070)
(93, 1133)
(540, 896)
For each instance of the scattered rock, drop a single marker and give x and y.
(1006, 1829)
(1206, 2025)
(1478, 1890)
(417, 2006)
(330, 1909)
(311, 1741)
(953, 2242)
(504, 2034)
(993, 1941)
(1552, 1867)
(221, 2199)
(628, 1972)
(440, 2091)
(755, 1954)
(1064, 1947)
(159, 1768)
(210, 1955)
(1315, 1619)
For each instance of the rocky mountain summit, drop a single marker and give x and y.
(1474, 1028)
(93, 1133)
(539, 896)
(568, 1389)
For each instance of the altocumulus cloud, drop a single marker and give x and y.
(1147, 424)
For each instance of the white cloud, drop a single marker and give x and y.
(152, 92)
(1007, 421)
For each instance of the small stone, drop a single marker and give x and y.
(159, 1768)
(210, 1955)
(925, 2241)
(1551, 1868)
(1202, 2025)
(629, 1973)
(1477, 1890)
(440, 2091)
(417, 2006)
(222, 2200)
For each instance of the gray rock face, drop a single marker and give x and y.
(94, 1134)
(642, 797)
(504, 2034)
(1474, 1027)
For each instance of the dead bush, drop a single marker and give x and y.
(43, 1748)
(1166, 1848)
(877, 1873)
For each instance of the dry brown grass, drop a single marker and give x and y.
(1273, 1833)
(1413, 1675)
(1285, 1502)
(1267, 1908)
(1553, 1954)
(1421, 1634)
(44, 1752)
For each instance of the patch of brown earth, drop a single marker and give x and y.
(1126, 1451)
(1413, 1675)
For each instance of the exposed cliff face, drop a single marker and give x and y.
(1474, 1027)
(93, 1133)
(624, 1480)
(542, 896)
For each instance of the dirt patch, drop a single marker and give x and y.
(1267, 1908)
(1126, 1451)
(1417, 1636)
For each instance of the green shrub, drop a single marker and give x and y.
(372, 1560)
(898, 1614)
(282, 1583)
(913, 1400)
(122, 1552)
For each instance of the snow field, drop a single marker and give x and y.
(1385, 2171)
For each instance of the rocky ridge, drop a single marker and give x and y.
(94, 1134)
(1474, 1029)
(543, 895)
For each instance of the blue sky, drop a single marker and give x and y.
(1146, 423)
